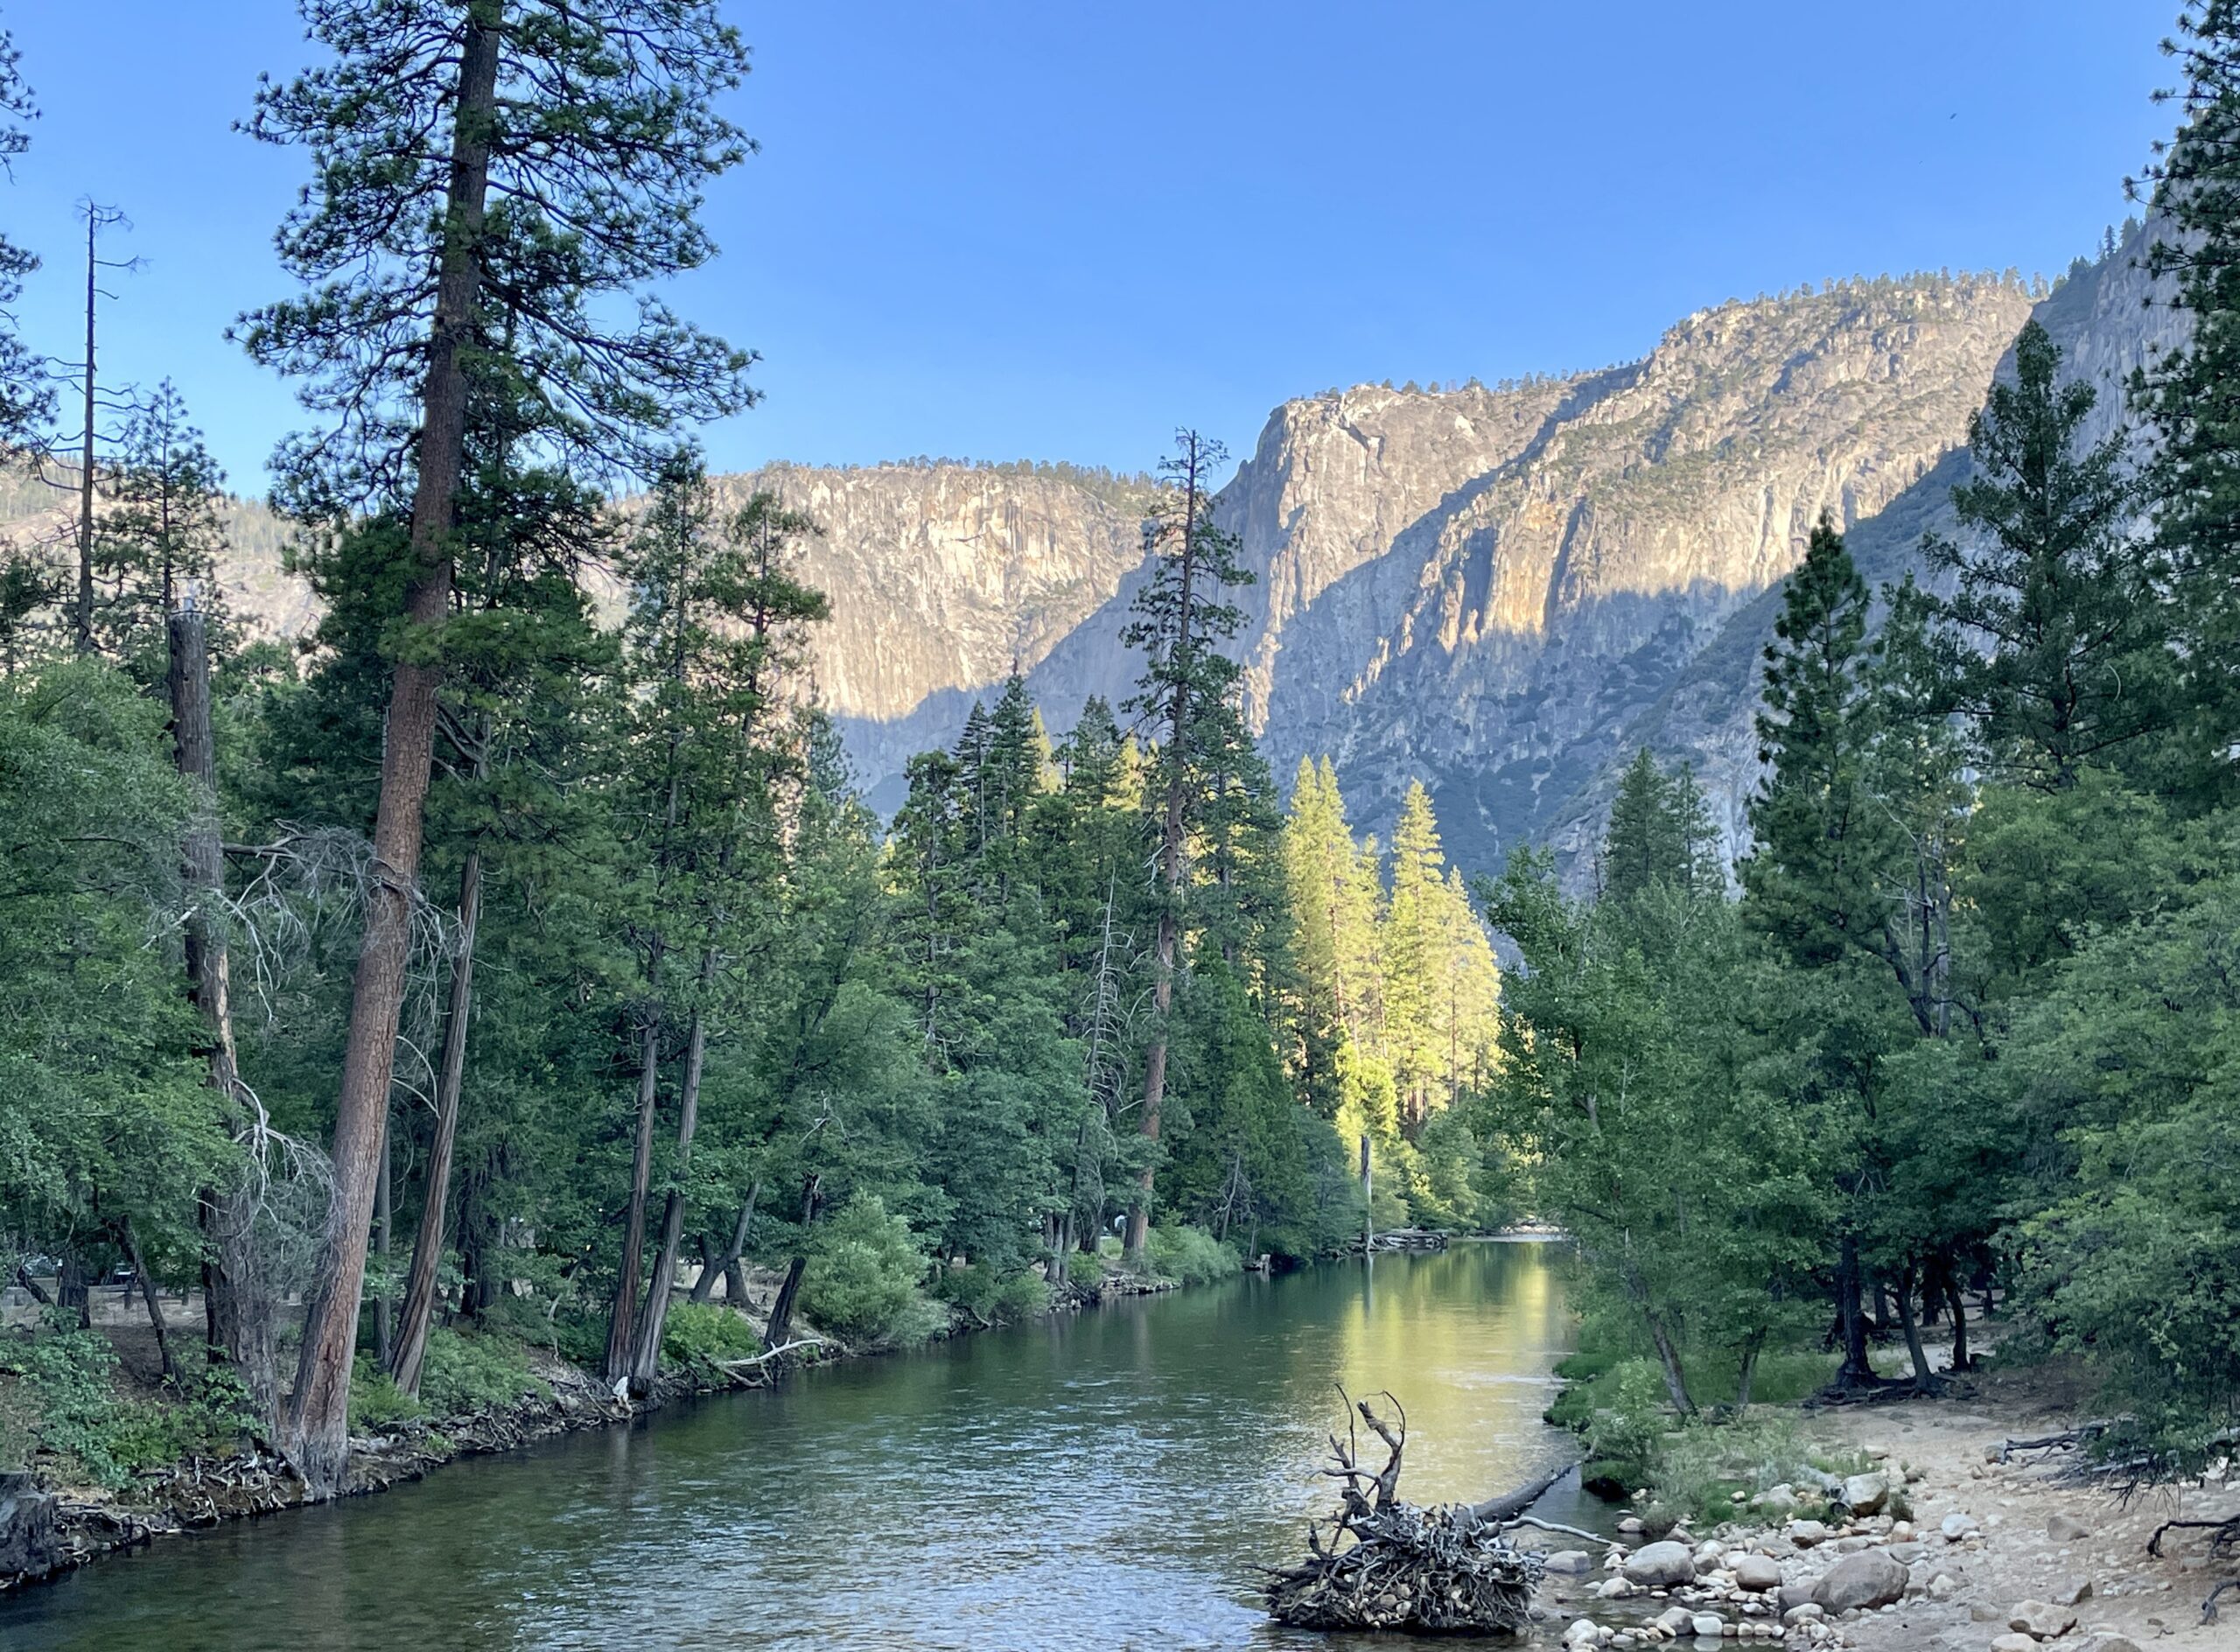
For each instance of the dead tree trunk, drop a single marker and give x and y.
(645, 1364)
(318, 1421)
(419, 1310)
(734, 1289)
(237, 1293)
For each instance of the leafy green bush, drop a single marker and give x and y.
(700, 1338)
(863, 1273)
(1024, 1296)
(71, 1407)
(375, 1400)
(460, 1373)
(1084, 1271)
(1190, 1256)
(1626, 1427)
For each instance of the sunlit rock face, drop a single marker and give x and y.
(1494, 623)
(1501, 590)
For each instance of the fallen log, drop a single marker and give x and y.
(1388, 1564)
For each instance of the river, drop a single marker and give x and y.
(1105, 1480)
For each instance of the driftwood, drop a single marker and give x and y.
(1388, 1564)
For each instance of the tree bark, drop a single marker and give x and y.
(316, 1427)
(419, 1310)
(1856, 1371)
(237, 1292)
(1676, 1377)
(384, 1235)
(1959, 1310)
(645, 1363)
(622, 1318)
(131, 1248)
(1748, 1374)
(1924, 1377)
(734, 1292)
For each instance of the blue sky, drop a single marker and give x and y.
(1058, 229)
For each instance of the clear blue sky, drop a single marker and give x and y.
(1058, 229)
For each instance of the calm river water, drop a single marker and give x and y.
(1106, 1479)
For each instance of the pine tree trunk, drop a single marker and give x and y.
(645, 1364)
(1748, 1374)
(419, 1309)
(1924, 1377)
(622, 1320)
(1139, 1215)
(384, 1236)
(316, 1427)
(1959, 1312)
(1856, 1371)
(238, 1308)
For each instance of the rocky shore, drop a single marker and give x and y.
(1952, 1543)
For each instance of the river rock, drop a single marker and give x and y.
(1805, 1534)
(1861, 1581)
(1776, 1500)
(2014, 1643)
(1865, 1494)
(2075, 1593)
(1943, 1586)
(1568, 1563)
(1615, 1589)
(1674, 1620)
(1582, 1633)
(1757, 1574)
(1794, 1595)
(1804, 1612)
(2040, 1618)
(2108, 1643)
(1958, 1527)
(1659, 1566)
(2066, 1528)
(1708, 1625)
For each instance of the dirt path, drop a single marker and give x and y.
(2016, 1504)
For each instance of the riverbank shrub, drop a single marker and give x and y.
(1189, 1256)
(1084, 1271)
(376, 1401)
(66, 1401)
(700, 1338)
(462, 1373)
(864, 1272)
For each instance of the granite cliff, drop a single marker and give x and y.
(1502, 591)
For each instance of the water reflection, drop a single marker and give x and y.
(1109, 1480)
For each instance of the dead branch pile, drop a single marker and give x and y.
(1381, 1564)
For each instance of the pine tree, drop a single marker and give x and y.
(2064, 654)
(1415, 947)
(1815, 878)
(2195, 476)
(1182, 618)
(161, 535)
(489, 175)
(26, 393)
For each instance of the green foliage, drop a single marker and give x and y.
(1189, 1256)
(68, 1404)
(464, 1372)
(863, 1276)
(1084, 1271)
(376, 1401)
(701, 1337)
